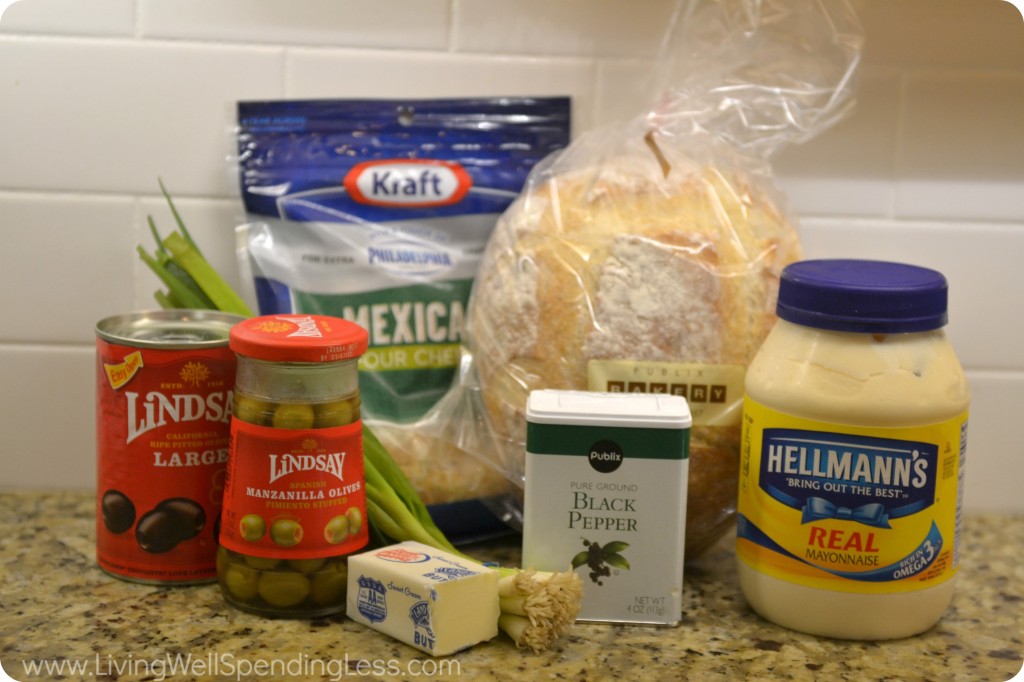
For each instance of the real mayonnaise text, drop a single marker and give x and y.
(853, 452)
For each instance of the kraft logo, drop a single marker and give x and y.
(413, 183)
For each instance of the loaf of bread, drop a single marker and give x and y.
(639, 257)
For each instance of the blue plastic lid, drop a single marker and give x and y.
(863, 296)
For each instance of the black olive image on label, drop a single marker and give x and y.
(118, 511)
(174, 520)
(158, 531)
(191, 516)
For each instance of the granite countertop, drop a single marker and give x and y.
(59, 610)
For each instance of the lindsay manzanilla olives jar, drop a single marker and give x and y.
(294, 501)
(852, 458)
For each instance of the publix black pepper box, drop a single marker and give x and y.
(606, 478)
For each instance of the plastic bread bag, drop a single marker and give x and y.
(378, 211)
(646, 256)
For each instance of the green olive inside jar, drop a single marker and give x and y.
(294, 499)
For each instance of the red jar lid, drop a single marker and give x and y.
(299, 338)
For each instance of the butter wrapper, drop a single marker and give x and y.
(432, 600)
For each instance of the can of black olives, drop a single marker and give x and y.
(164, 383)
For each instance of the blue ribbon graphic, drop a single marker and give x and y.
(872, 514)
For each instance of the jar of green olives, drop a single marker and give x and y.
(294, 499)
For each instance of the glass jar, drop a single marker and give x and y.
(294, 499)
(853, 451)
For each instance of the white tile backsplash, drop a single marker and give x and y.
(377, 74)
(70, 17)
(100, 97)
(981, 262)
(66, 261)
(111, 116)
(995, 468)
(961, 124)
(399, 24)
(860, 148)
(607, 28)
(625, 90)
(49, 416)
(932, 34)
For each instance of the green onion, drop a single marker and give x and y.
(537, 606)
(177, 217)
(190, 280)
(202, 273)
(378, 458)
(178, 289)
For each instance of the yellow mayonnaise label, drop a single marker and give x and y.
(846, 508)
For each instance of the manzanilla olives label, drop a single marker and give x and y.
(164, 385)
(295, 493)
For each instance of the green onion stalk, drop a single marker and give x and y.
(190, 280)
(537, 607)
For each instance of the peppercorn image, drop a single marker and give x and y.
(601, 560)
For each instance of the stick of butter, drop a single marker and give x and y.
(430, 599)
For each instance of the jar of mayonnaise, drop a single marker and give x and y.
(853, 450)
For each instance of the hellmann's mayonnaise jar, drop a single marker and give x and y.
(853, 450)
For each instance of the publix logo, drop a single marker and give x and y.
(605, 456)
(412, 183)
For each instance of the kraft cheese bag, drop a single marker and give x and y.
(378, 211)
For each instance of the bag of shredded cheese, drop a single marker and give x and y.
(378, 211)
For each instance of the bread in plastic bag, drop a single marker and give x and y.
(646, 256)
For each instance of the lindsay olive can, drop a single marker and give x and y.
(164, 384)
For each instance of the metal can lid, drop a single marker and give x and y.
(168, 329)
(299, 338)
(863, 296)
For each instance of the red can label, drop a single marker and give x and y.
(162, 431)
(295, 493)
